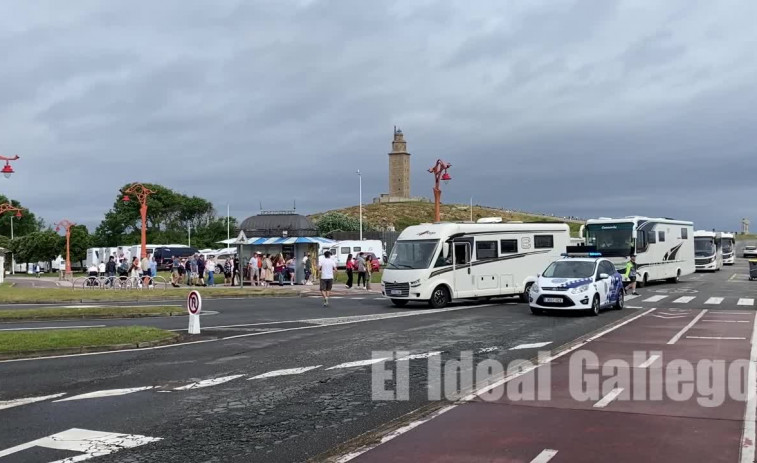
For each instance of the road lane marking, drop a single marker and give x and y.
(531, 346)
(27, 400)
(316, 323)
(714, 300)
(286, 372)
(544, 456)
(726, 338)
(631, 296)
(726, 321)
(652, 359)
(90, 443)
(612, 395)
(721, 312)
(208, 383)
(655, 298)
(425, 355)
(678, 335)
(750, 411)
(668, 317)
(745, 301)
(484, 350)
(528, 367)
(106, 393)
(684, 299)
(54, 328)
(359, 363)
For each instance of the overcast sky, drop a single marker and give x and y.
(588, 108)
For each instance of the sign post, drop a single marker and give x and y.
(194, 306)
(241, 239)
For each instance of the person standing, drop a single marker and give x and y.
(153, 270)
(630, 275)
(291, 270)
(349, 269)
(268, 264)
(145, 266)
(210, 266)
(134, 271)
(306, 265)
(110, 270)
(360, 266)
(368, 271)
(279, 268)
(327, 271)
(254, 273)
(228, 269)
(201, 270)
(175, 275)
(236, 271)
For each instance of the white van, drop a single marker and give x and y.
(728, 245)
(342, 249)
(440, 262)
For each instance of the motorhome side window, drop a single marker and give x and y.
(544, 241)
(357, 249)
(486, 250)
(461, 253)
(345, 250)
(684, 233)
(508, 246)
(651, 238)
(661, 236)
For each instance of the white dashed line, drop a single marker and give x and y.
(208, 383)
(684, 299)
(531, 346)
(612, 395)
(27, 400)
(724, 338)
(420, 356)
(745, 301)
(652, 359)
(655, 298)
(726, 321)
(287, 372)
(714, 300)
(484, 350)
(106, 393)
(359, 363)
(544, 456)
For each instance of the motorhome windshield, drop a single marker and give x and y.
(704, 246)
(414, 254)
(570, 269)
(727, 246)
(611, 238)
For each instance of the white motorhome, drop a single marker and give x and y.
(342, 249)
(664, 248)
(440, 262)
(728, 245)
(709, 253)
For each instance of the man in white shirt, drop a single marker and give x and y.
(254, 273)
(327, 270)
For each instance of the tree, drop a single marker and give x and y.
(337, 221)
(80, 241)
(28, 222)
(169, 215)
(42, 246)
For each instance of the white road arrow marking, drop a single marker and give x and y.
(106, 393)
(287, 372)
(208, 383)
(531, 346)
(27, 400)
(90, 443)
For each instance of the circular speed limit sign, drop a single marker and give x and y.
(194, 303)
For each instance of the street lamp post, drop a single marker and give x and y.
(8, 207)
(141, 192)
(7, 171)
(360, 177)
(440, 173)
(66, 224)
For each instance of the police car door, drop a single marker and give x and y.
(604, 285)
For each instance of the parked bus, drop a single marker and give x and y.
(709, 253)
(728, 245)
(664, 248)
(441, 262)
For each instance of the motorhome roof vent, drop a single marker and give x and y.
(489, 220)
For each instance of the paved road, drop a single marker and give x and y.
(294, 381)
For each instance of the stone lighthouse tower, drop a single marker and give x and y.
(399, 167)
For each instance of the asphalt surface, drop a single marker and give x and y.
(309, 413)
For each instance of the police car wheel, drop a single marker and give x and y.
(536, 311)
(620, 302)
(594, 311)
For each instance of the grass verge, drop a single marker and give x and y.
(18, 295)
(63, 313)
(20, 342)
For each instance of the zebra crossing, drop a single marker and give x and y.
(706, 300)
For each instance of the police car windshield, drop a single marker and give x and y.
(415, 254)
(570, 269)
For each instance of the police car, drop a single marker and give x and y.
(578, 281)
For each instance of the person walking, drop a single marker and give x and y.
(307, 267)
(134, 271)
(175, 271)
(237, 272)
(350, 270)
(110, 270)
(254, 272)
(327, 271)
(368, 271)
(280, 268)
(228, 269)
(201, 270)
(291, 270)
(210, 267)
(630, 275)
(145, 267)
(153, 270)
(268, 263)
(360, 266)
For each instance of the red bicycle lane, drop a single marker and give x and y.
(667, 386)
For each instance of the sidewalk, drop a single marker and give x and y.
(648, 417)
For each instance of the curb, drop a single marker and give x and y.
(88, 349)
(166, 299)
(95, 317)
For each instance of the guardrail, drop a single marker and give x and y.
(120, 283)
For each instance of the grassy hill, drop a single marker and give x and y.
(402, 215)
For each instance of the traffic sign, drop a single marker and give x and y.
(241, 238)
(194, 303)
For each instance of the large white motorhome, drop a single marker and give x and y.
(342, 249)
(709, 253)
(664, 248)
(440, 262)
(728, 245)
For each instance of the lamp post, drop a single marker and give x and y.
(440, 173)
(141, 192)
(7, 171)
(360, 177)
(8, 207)
(66, 224)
